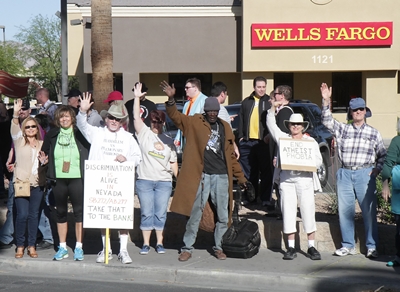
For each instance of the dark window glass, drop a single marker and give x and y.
(346, 85)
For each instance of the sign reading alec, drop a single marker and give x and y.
(297, 154)
(109, 195)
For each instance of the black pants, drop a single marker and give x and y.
(256, 164)
(72, 188)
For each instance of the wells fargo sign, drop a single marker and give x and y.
(343, 34)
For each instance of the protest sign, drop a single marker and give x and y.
(297, 154)
(109, 195)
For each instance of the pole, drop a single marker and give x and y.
(64, 52)
(107, 247)
(4, 33)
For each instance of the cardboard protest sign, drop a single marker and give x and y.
(297, 154)
(109, 195)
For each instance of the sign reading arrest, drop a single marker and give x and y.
(297, 154)
(109, 195)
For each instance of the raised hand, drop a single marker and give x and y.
(137, 90)
(326, 93)
(85, 102)
(169, 91)
(17, 106)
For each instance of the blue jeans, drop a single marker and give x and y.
(216, 186)
(6, 232)
(28, 214)
(352, 184)
(153, 197)
(44, 221)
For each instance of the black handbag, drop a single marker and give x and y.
(242, 239)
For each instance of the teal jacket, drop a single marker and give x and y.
(391, 169)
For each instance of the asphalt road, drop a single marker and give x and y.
(23, 283)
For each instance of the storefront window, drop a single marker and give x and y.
(346, 85)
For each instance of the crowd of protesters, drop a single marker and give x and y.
(49, 152)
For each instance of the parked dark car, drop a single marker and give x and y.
(311, 113)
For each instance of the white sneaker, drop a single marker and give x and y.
(124, 257)
(344, 251)
(372, 253)
(100, 256)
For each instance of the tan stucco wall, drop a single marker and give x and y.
(234, 83)
(300, 59)
(75, 50)
(379, 65)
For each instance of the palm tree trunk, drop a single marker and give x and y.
(101, 51)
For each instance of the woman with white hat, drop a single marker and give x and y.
(296, 187)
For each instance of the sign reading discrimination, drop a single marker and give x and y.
(341, 34)
(109, 194)
(297, 154)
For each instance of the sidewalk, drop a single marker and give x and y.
(264, 272)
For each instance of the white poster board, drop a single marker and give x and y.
(109, 194)
(297, 154)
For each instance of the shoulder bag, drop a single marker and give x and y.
(242, 239)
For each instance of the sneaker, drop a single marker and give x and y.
(313, 253)
(372, 253)
(290, 254)
(78, 254)
(344, 251)
(100, 256)
(124, 257)
(61, 254)
(44, 245)
(5, 245)
(160, 249)
(145, 250)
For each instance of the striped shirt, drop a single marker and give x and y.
(356, 146)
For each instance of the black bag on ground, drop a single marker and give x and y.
(242, 239)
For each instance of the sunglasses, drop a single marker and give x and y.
(359, 109)
(29, 127)
(276, 93)
(296, 124)
(187, 87)
(112, 118)
(156, 122)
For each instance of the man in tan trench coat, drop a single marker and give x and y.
(209, 164)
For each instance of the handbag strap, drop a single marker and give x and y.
(235, 213)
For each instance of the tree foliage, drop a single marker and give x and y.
(12, 60)
(42, 47)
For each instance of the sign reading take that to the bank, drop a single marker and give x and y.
(341, 34)
(109, 194)
(297, 154)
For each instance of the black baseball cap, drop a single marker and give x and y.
(25, 104)
(74, 92)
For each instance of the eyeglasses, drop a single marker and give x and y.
(29, 127)
(296, 124)
(187, 87)
(359, 109)
(112, 118)
(276, 93)
(156, 122)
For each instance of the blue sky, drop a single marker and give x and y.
(14, 13)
